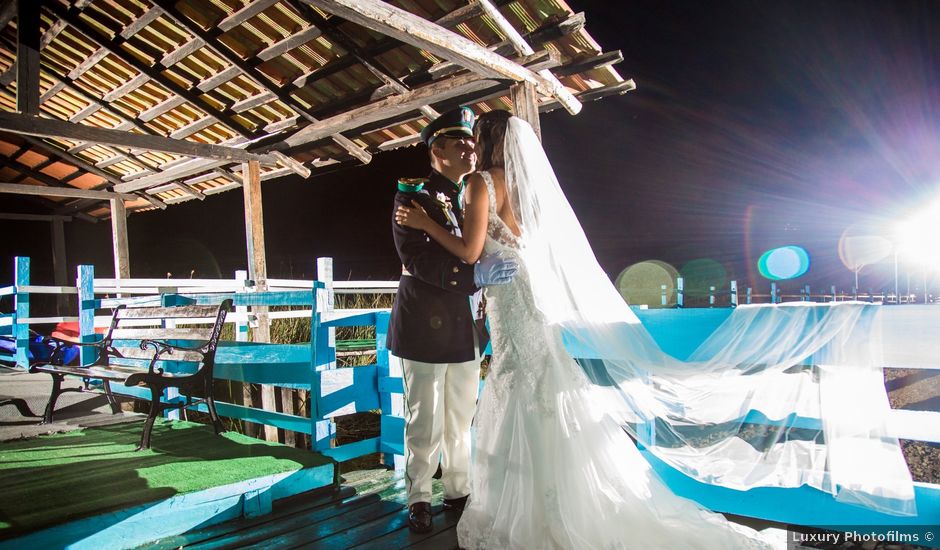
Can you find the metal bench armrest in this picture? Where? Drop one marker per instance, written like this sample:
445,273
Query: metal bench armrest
160,347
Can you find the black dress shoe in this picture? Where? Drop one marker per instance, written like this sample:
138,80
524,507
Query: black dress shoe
456,503
419,517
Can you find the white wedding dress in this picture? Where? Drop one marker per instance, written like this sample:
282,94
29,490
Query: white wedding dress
550,468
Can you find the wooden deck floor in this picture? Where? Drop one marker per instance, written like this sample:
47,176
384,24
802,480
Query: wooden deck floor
367,512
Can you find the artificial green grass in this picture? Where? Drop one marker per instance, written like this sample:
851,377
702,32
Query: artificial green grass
54,479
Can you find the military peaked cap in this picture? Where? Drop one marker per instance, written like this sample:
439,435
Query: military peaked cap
457,123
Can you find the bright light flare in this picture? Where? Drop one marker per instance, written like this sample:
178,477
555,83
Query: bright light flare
919,237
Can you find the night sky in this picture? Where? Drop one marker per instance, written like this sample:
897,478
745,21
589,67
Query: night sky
754,125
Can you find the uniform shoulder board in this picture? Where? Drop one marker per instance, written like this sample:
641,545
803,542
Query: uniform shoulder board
411,185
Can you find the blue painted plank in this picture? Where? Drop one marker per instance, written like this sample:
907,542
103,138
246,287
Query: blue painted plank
363,319
680,331
346,390
285,421
392,430
349,451
178,514
388,385
284,375
260,353
801,506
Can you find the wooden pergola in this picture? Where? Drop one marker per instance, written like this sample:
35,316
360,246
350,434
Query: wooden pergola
109,107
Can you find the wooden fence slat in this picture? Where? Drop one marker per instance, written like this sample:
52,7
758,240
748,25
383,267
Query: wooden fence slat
178,312
197,335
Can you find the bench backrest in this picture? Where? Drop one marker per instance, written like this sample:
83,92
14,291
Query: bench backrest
201,327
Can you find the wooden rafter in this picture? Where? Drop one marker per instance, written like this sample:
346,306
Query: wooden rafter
46,127
27,57
154,72
423,34
337,35
50,191
395,105
35,217
262,81
110,179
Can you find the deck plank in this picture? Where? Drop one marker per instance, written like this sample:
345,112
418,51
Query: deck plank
323,534
283,511
369,512
443,535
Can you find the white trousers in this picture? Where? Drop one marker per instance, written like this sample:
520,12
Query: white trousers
440,400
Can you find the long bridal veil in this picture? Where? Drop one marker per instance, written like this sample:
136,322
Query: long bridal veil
778,396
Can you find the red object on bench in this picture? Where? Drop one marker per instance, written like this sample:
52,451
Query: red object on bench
70,332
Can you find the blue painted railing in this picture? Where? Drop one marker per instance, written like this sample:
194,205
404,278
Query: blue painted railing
338,391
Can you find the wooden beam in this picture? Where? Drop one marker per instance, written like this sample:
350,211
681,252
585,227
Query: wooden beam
525,105
35,217
391,107
71,159
337,35
189,168
27,57
596,62
191,191
461,15
152,200
244,14
523,48
45,127
619,88
569,25
386,45
258,271
122,266
49,191
425,35
387,108
138,24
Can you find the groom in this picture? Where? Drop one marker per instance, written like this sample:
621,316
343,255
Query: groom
432,326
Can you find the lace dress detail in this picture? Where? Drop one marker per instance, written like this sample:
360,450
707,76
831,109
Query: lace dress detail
550,470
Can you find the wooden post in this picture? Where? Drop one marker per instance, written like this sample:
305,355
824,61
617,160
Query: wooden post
391,402
59,265
27,57
258,272
85,281
525,104
21,307
122,266
323,341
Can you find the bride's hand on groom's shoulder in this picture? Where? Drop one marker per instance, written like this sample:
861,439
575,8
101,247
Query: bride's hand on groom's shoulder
415,217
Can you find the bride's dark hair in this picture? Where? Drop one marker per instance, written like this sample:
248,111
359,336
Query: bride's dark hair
489,132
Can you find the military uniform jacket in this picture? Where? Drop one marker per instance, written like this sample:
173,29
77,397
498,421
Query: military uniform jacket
431,318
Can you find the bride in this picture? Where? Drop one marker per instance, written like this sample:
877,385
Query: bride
555,460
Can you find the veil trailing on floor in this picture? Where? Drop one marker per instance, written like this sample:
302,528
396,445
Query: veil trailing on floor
778,396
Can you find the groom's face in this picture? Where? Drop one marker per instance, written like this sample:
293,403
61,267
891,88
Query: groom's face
458,153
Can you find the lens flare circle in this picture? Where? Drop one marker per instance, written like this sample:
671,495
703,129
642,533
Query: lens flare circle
642,282
785,262
701,274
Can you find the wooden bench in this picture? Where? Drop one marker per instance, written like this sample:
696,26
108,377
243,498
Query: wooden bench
154,357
